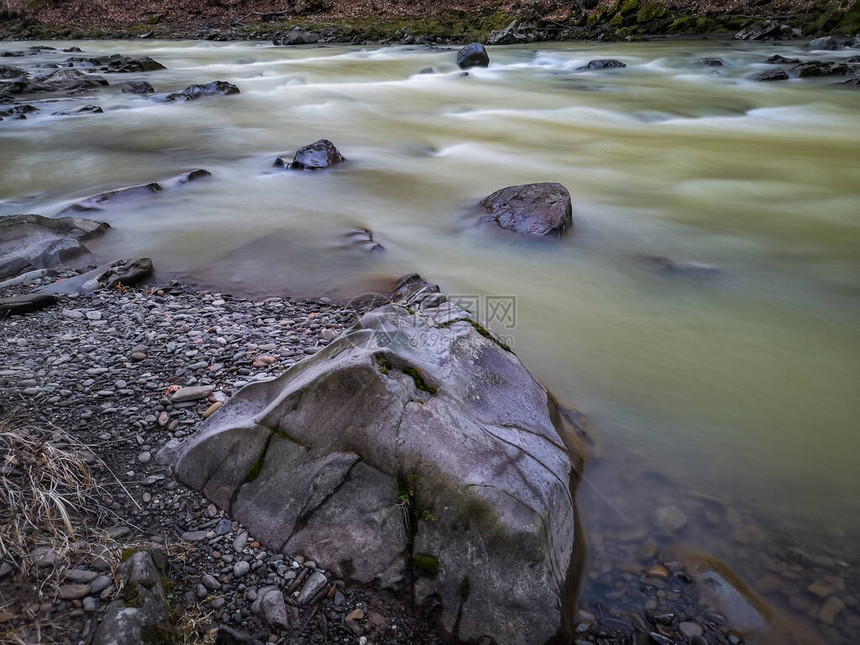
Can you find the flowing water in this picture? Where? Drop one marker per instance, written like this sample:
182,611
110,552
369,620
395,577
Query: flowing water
736,390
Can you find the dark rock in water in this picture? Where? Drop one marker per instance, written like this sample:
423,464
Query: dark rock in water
852,82
440,466
473,55
778,74
827,43
87,109
363,238
73,50
97,202
779,59
297,36
66,80
119,64
760,31
531,209
821,68
17,111
34,241
11,72
193,92
604,63
26,303
126,273
194,175
320,154
229,636
136,87
682,267
427,70
711,62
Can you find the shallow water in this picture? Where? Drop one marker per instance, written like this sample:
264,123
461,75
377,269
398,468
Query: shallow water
741,387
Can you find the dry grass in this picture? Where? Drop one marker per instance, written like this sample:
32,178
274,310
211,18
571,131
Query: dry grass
47,495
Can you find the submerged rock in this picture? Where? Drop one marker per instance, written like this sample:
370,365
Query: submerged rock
429,450
531,209
682,267
314,156
194,92
19,112
473,55
711,62
822,68
779,59
119,64
65,80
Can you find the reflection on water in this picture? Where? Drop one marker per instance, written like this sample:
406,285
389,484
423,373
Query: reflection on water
733,398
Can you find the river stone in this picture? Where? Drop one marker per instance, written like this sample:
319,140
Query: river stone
531,209
275,609
26,303
669,519
759,31
65,80
473,55
316,155
826,43
384,445
140,606
136,87
119,64
194,92
605,63
33,241
777,74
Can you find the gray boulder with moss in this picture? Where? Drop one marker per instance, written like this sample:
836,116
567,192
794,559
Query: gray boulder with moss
415,452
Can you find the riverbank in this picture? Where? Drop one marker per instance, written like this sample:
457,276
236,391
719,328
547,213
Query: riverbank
116,379
446,22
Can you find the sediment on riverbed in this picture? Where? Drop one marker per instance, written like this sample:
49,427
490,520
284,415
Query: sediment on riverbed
448,21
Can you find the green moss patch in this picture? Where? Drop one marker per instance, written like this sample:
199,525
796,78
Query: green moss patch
426,564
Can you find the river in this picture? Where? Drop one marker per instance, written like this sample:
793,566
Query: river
732,394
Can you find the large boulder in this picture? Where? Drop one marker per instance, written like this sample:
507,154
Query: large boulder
65,80
415,452
531,209
34,241
314,156
825,43
473,55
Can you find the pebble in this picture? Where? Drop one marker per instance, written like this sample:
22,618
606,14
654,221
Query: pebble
100,584
690,630
210,582
144,457
832,607
313,585
73,591
193,393
194,536
241,568
669,519
212,409
223,526
240,542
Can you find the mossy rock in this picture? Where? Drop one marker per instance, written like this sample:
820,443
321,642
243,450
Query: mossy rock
826,22
650,11
628,6
426,564
617,20
850,23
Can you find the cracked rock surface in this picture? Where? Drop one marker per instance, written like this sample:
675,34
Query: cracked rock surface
415,452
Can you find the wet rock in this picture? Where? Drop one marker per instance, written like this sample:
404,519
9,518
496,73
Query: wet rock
119,64
604,63
23,304
136,87
711,62
125,273
405,405
363,238
826,586
689,629
17,112
99,201
34,241
473,55
297,36
778,74
669,519
314,156
826,43
140,608
779,59
852,82
194,92
65,80
759,31
821,68
531,209
315,583
87,109
73,591
658,571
